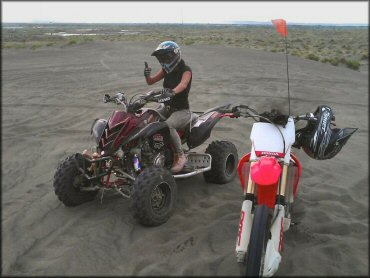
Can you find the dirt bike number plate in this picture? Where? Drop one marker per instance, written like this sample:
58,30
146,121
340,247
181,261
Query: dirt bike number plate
267,140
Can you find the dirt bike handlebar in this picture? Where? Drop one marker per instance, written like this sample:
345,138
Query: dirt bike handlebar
273,116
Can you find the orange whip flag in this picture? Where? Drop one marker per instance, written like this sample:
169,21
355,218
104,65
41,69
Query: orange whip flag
280,25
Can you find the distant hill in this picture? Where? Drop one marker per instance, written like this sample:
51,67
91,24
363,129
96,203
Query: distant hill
265,23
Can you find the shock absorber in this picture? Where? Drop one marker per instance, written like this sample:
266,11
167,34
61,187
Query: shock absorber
136,162
136,155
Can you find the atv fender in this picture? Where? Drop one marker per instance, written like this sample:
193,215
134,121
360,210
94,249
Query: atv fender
202,127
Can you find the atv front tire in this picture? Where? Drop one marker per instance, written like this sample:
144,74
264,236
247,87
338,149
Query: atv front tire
67,183
153,195
224,162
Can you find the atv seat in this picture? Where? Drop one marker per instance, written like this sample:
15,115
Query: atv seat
194,118
162,111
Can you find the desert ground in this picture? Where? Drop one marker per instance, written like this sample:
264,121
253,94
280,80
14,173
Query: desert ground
51,95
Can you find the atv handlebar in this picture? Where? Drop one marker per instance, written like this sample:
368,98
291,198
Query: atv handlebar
137,101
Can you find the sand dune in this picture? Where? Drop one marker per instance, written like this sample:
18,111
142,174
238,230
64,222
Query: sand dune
49,99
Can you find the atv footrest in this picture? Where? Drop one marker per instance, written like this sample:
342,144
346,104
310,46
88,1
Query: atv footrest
93,168
196,163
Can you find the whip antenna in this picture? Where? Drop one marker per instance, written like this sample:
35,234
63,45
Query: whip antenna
182,27
280,25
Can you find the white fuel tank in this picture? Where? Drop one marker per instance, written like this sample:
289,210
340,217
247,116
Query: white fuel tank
267,140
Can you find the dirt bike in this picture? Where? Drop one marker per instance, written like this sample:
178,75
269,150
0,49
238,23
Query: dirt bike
133,155
269,177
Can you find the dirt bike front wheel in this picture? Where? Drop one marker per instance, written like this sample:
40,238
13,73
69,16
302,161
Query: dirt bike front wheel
260,234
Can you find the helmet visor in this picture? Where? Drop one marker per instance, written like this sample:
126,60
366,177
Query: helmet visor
166,58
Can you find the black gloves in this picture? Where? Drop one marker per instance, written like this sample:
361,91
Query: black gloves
147,70
164,95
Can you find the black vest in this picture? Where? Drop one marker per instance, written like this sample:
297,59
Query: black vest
172,79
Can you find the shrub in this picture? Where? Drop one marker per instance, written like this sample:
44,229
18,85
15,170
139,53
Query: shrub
88,39
295,53
325,60
352,64
35,46
189,41
312,56
334,61
365,56
72,41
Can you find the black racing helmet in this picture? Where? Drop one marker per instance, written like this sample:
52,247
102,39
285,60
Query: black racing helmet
168,54
319,140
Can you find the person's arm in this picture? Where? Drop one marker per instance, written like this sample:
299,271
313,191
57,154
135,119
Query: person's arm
155,78
186,77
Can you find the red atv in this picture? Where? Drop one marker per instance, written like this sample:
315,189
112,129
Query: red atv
133,156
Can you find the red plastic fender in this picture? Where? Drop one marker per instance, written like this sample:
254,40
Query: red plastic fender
267,171
266,174
243,171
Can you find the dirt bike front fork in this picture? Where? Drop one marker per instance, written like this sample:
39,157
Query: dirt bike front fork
275,243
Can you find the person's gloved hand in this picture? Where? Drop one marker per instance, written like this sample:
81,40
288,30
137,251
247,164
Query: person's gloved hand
164,94
147,70
235,110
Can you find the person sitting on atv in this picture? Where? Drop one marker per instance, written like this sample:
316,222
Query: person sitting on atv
177,82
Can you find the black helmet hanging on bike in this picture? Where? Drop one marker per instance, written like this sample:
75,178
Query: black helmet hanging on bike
168,54
318,139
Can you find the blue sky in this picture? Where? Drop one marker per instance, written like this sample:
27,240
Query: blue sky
189,12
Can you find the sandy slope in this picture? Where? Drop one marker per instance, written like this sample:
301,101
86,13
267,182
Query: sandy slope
49,99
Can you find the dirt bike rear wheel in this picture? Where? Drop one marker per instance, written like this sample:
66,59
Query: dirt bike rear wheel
224,162
260,234
67,183
154,195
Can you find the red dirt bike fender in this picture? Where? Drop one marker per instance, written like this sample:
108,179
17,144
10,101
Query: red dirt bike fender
243,169
244,165
266,174
266,171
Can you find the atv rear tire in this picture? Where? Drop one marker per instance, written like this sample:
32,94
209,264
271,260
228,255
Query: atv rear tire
67,182
154,194
224,162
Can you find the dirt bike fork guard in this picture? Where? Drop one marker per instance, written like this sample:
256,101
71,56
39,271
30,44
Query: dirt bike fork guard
267,173
245,222
249,186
